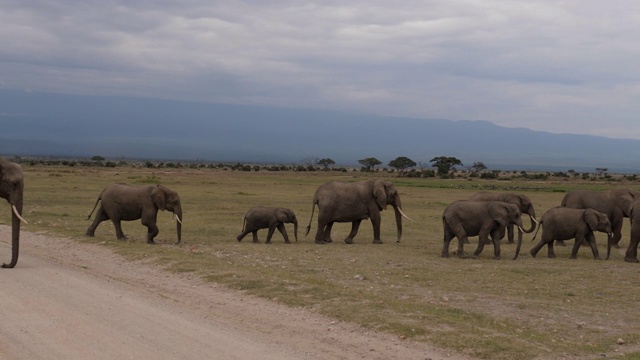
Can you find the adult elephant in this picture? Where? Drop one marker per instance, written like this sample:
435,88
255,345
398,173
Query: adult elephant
465,218
126,202
11,189
521,201
614,203
632,251
340,201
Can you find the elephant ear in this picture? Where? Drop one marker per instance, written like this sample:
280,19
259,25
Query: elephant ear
380,194
159,197
591,218
498,212
623,199
281,215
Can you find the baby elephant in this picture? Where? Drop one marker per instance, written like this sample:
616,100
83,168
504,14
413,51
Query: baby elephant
562,223
262,217
470,218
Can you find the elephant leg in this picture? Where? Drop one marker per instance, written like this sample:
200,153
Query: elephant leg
594,248
510,233
448,236
118,226
255,236
283,231
327,233
152,232
632,251
272,229
617,233
375,221
242,235
482,239
576,246
551,254
100,217
534,250
495,236
354,230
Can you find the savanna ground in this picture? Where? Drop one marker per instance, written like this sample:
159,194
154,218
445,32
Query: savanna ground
493,309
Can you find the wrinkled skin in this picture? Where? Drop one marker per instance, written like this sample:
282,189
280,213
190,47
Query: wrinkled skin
632,251
613,203
339,201
562,223
11,189
122,202
263,217
465,218
521,201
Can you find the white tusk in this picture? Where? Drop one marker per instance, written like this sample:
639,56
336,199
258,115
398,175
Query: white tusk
521,229
177,218
401,213
15,211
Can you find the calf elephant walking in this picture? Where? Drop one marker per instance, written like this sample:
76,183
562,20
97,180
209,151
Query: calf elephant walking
125,202
562,223
262,217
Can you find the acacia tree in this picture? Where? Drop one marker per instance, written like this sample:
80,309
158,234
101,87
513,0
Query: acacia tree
325,163
478,166
369,163
402,163
445,164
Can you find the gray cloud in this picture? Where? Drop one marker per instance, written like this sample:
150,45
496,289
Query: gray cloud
546,65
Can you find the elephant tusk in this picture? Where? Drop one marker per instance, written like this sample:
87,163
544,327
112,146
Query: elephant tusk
403,214
521,229
15,211
177,218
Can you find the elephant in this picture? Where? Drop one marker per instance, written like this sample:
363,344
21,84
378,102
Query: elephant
126,202
561,223
465,218
11,189
614,203
632,251
340,201
262,217
521,201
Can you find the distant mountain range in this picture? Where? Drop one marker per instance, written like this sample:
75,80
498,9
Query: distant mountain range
71,125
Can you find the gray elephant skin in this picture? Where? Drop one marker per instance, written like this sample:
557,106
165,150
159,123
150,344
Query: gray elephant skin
521,201
11,189
339,201
264,217
614,203
123,202
562,223
465,218
631,254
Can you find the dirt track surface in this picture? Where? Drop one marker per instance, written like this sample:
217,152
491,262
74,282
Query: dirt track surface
68,300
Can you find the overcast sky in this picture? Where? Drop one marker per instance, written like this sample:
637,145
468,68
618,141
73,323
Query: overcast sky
558,66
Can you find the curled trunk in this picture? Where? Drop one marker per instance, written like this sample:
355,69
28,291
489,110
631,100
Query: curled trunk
534,222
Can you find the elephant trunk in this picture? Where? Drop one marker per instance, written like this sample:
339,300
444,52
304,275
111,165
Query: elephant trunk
295,229
609,244
534,223
178,215
520,231
16,219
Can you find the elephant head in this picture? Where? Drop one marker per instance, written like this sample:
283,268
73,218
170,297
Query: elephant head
623,198
525,206
287,216
506,214
385,193
166,199
11,189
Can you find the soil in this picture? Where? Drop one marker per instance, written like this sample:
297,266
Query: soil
72,300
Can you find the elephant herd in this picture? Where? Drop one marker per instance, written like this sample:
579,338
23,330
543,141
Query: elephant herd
580,213
485,214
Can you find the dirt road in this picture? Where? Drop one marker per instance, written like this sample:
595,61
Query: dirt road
68,300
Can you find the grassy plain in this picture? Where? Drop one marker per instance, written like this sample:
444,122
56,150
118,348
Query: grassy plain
491,309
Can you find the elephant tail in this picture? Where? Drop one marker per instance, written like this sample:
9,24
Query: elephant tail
94,206
244,221
313,208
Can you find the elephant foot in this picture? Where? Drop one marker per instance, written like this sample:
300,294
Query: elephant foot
631,259
239,238
320,242
151,242
377,241
497,257
287,242
616,245
572,257
551,256
256,242
445,255
90,234
597,258
533,253
348,240
267,242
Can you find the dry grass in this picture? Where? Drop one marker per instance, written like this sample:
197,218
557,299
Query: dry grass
523,309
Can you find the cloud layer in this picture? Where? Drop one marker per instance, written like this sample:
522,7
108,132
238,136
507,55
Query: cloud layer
547,65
